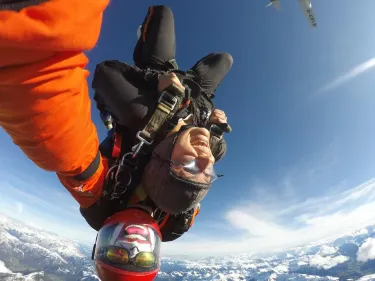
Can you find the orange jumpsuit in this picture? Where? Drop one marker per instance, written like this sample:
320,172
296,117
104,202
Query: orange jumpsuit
44,97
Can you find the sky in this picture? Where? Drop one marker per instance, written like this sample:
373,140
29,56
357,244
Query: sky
300,164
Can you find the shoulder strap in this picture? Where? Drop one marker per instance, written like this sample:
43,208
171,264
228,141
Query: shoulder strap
168,103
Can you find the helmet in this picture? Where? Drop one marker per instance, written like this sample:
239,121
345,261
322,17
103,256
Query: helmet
128,247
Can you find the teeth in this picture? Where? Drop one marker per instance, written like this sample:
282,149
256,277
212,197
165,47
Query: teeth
200,146
200,143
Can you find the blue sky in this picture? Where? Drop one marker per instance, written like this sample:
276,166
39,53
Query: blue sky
300,162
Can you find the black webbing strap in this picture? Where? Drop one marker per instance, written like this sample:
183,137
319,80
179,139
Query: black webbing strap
90,170
17,5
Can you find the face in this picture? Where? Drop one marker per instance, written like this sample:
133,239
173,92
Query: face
193,144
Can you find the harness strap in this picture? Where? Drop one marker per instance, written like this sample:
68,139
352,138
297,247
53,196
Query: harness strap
116,149
169,101
164,221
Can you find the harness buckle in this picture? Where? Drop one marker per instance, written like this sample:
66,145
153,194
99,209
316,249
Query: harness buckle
142,139
168,100
138,146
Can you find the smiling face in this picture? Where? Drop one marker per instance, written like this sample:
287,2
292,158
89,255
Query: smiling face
183,163
194,144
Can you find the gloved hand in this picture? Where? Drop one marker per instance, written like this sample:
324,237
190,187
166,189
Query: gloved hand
165,80
219,118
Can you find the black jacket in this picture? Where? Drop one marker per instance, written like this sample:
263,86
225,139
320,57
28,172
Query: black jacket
130,95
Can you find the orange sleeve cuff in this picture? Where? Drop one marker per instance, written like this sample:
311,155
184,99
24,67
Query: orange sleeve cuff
88,192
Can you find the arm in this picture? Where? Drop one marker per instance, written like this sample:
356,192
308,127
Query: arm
138,78
127,92
45,105
150,80
219,149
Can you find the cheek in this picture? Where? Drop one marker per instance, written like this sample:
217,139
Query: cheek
178,152
182,155
181,144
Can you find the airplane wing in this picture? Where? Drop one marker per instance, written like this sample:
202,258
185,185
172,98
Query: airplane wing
307,10
274,3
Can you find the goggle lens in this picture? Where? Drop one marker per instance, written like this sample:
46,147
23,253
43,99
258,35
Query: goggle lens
118,255
193,169
121,256
145,259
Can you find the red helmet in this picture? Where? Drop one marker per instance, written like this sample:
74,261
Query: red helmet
128,247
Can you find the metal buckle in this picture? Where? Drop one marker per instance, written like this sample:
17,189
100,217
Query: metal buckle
169,102
142,140
119,187
138,146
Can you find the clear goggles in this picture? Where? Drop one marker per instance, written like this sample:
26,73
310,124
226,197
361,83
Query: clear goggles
193,172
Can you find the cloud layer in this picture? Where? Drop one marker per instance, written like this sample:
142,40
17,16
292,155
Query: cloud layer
279,227
367,250
326,262
307,202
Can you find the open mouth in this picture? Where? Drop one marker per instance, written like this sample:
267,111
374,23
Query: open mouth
200,141
136,233
201,145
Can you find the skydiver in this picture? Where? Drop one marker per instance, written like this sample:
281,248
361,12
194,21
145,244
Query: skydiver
118,84
130,92
45,108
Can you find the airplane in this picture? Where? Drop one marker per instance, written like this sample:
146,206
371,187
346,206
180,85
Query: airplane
306,7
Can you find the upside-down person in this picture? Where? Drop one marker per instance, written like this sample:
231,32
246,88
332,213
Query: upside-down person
45,108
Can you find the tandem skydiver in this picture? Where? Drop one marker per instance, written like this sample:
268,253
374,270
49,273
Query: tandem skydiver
45,108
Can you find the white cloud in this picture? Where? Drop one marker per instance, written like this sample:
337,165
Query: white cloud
348,76
270,220
254,225
367,250
264,233
335,201
3,268
326,262
363,231
370,277
281,268
326,250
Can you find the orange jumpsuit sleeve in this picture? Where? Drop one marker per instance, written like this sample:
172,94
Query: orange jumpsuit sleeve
44,98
